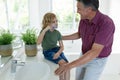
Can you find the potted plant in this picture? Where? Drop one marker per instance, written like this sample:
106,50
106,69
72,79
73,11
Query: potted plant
30,40
6,39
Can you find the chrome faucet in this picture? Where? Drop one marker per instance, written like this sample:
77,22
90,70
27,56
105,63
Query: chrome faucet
14,65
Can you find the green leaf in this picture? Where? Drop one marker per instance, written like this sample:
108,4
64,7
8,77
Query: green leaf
29,37
6,37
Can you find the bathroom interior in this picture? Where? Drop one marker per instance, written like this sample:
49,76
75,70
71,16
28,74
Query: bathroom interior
19,15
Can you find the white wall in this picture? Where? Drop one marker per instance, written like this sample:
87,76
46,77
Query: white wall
44,6
34,13
104,6
37,8
113,65
115,15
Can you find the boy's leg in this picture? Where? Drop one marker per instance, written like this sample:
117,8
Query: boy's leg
66,75
61,60
61,63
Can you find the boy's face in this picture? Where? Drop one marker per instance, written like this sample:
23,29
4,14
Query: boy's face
54,23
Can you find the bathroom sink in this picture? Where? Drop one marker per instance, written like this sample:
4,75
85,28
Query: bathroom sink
33,71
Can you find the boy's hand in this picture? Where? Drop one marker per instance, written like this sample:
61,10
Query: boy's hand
47,28
56,56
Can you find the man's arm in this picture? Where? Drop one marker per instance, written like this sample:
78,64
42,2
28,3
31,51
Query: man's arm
71,37
88,56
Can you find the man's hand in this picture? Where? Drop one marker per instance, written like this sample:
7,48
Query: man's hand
62,69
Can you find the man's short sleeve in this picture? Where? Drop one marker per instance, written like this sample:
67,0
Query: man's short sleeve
105,33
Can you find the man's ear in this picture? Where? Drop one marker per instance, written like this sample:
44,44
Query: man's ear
89,9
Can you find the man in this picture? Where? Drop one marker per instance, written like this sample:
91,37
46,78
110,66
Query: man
96,31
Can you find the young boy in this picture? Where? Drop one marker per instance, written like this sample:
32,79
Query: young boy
49,37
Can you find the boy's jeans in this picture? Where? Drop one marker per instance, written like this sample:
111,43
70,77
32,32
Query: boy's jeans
92,70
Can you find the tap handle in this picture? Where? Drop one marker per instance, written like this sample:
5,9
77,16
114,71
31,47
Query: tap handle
14,61
13,65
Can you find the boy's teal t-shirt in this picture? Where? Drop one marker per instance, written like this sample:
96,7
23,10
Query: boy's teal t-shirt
50,39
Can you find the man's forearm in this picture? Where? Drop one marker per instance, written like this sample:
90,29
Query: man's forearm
71,37
88,56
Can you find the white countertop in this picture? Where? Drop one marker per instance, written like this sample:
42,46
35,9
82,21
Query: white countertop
38,58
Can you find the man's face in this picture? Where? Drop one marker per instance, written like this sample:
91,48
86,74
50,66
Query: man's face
82,10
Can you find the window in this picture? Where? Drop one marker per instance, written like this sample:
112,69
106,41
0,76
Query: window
66,14
14,15
3,13
68,20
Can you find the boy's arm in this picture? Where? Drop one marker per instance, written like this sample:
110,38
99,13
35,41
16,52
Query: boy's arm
41,35
60,50
61,47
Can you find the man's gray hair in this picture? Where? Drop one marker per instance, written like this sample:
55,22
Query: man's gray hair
94,4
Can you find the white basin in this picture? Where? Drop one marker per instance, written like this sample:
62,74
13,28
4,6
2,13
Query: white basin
33,71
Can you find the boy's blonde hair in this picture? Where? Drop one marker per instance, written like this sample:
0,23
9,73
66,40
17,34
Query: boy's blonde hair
47,19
